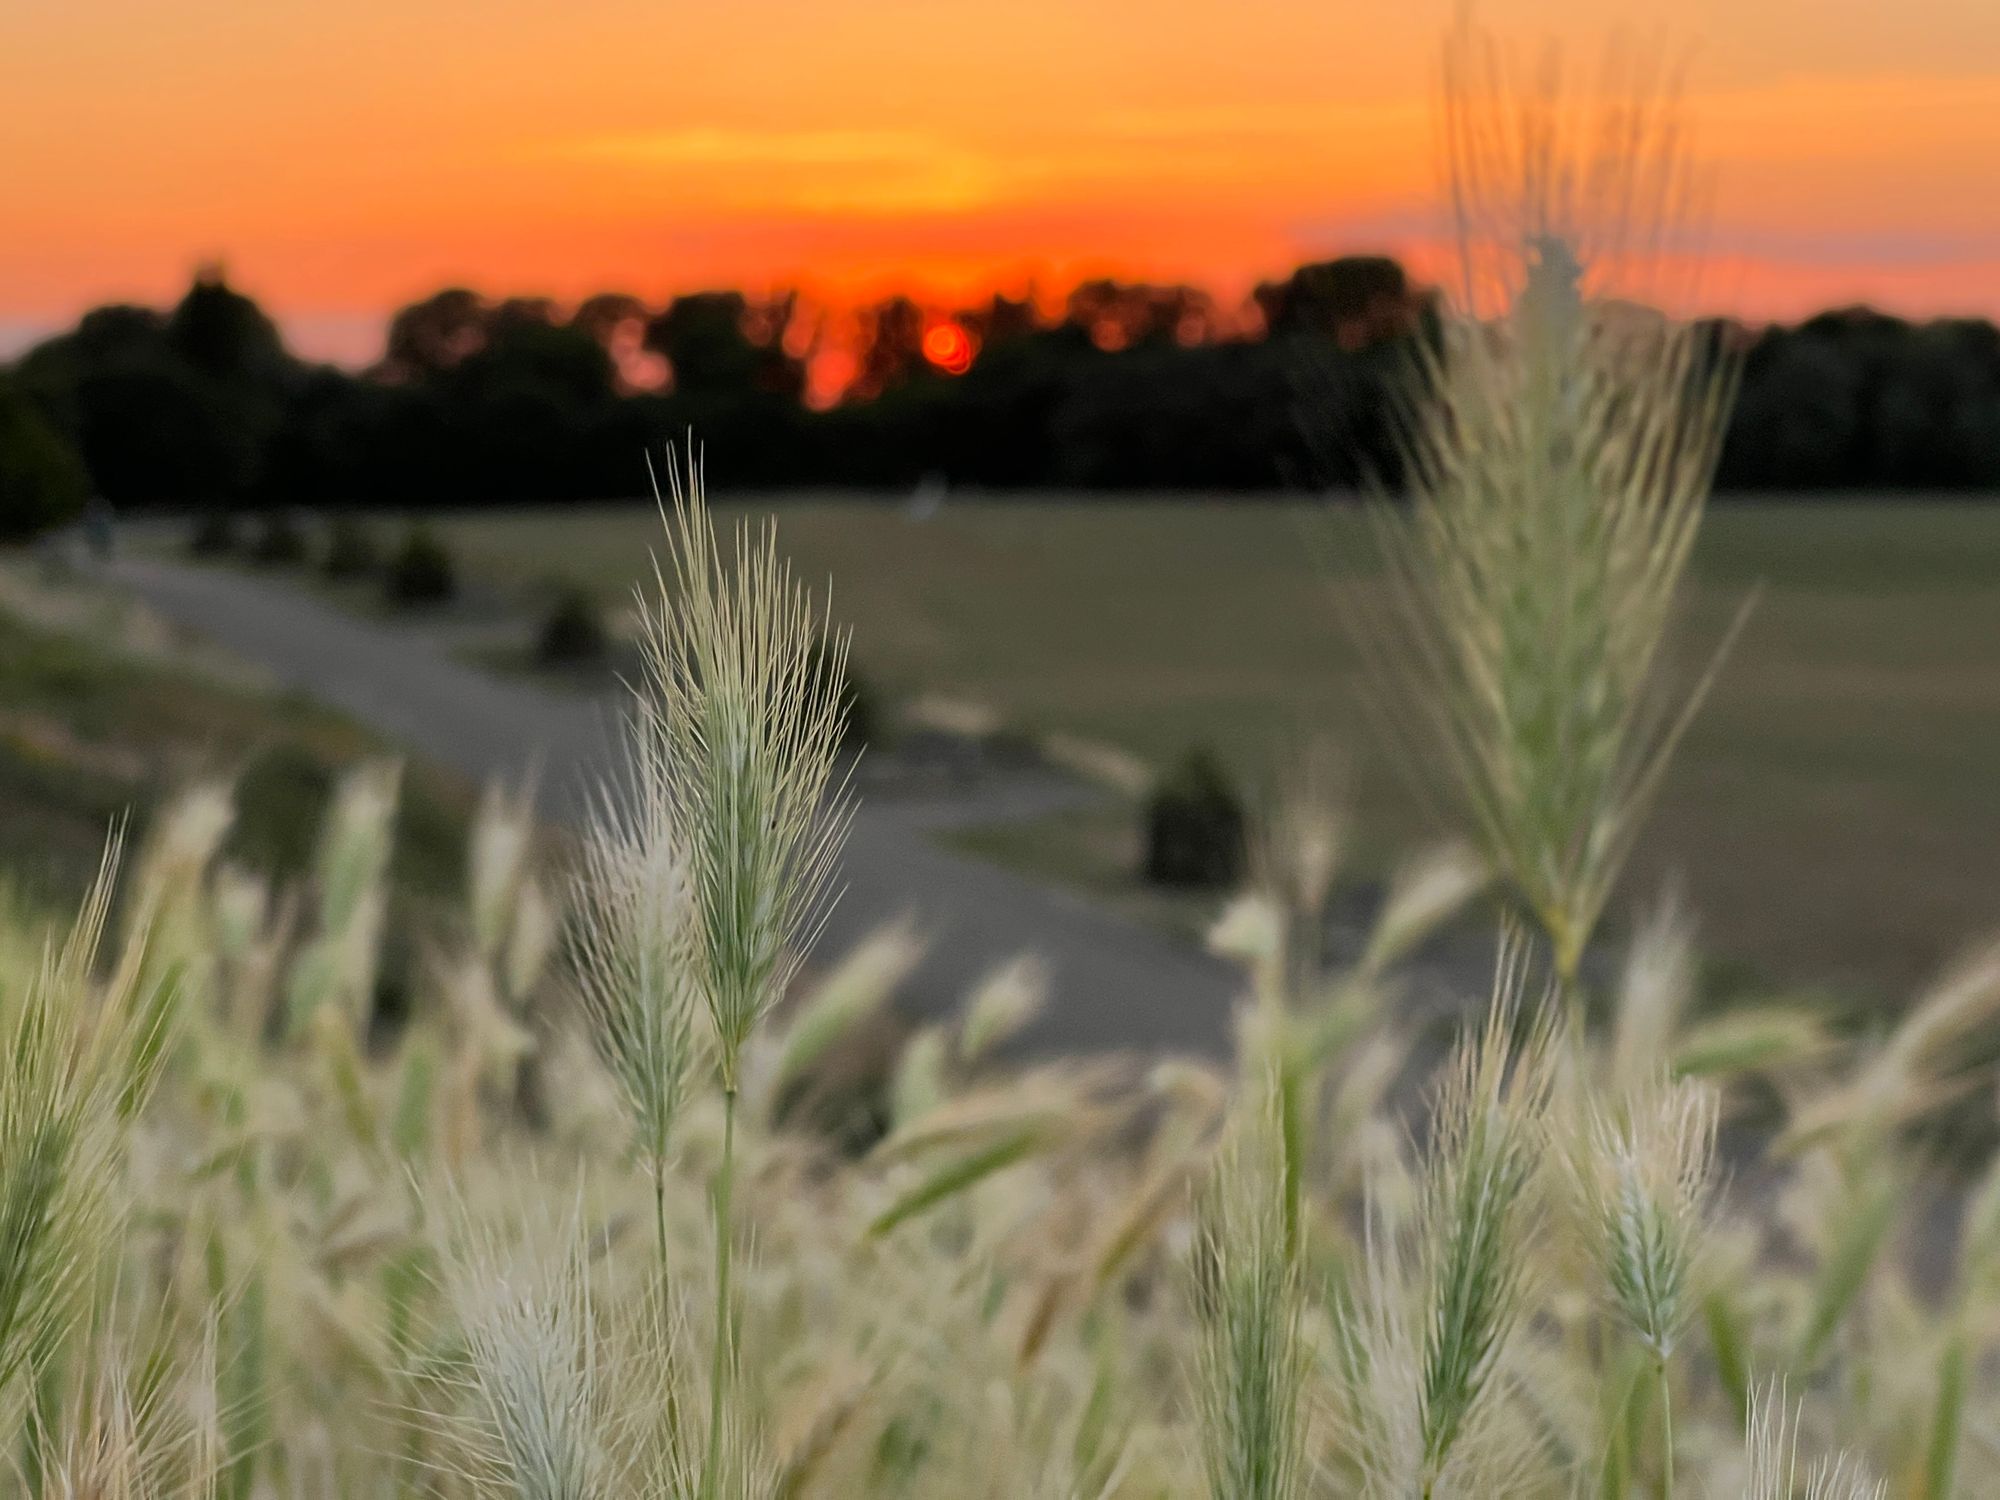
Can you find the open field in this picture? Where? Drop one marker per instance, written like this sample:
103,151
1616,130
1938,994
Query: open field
1834,816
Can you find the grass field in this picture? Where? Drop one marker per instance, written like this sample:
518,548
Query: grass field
1835,815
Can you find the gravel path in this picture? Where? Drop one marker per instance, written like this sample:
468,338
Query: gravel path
1113,984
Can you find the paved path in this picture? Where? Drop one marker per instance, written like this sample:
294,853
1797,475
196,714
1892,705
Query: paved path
1113,984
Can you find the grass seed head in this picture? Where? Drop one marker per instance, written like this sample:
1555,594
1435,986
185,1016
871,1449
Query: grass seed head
1777,1472
741,693
633,948
1640,1181
1558,457
1251,1350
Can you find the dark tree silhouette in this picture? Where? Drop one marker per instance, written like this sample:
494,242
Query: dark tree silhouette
892,346
1132,385
224,335
1125,315
43,482
1356,301
602,315
718,345
436,334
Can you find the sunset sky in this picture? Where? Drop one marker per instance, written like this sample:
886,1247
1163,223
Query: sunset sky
343,158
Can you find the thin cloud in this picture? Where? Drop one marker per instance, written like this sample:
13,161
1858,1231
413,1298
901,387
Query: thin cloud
724,146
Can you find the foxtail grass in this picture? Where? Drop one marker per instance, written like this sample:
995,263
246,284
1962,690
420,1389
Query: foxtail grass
739,716
1778,1472
1557,458
1475,1218
1424,1331
136,1425
1249,1301
339,966
744,704
76,1058
1640,1180
564,1382
634,961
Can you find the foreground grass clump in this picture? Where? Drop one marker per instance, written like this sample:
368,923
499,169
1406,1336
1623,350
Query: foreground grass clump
373,1260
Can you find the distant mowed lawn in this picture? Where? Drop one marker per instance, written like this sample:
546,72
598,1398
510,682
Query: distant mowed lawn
1835,812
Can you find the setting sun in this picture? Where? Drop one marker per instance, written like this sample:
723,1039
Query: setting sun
948,346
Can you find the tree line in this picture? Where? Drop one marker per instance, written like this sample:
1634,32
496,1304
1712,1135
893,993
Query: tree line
1127,386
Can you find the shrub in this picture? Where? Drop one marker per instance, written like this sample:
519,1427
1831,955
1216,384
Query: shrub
350,550
859,718
42,481
278,542
572,632
1194,826
214,535
421,572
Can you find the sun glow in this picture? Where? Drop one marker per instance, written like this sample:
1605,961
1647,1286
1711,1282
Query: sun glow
949,346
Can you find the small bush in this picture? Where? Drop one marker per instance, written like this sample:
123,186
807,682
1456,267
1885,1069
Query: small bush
860,720
278,543
1194,826
421,572
214,535
350,550
572,632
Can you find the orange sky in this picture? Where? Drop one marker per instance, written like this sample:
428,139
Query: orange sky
342,158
